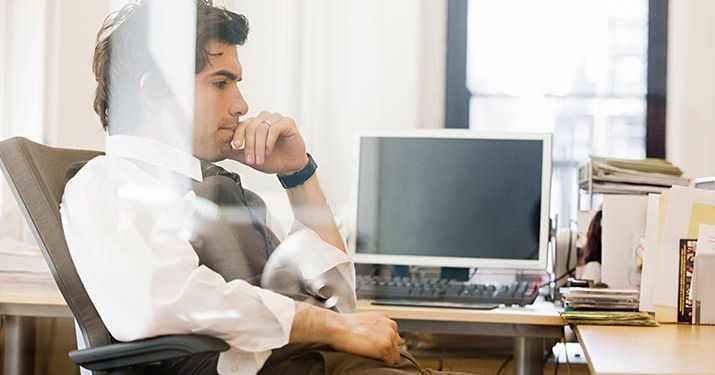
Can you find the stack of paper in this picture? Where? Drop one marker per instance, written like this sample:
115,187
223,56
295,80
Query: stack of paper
21,263
625,176
600,298
614,318
680,224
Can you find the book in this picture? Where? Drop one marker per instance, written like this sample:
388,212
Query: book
685,277
600,298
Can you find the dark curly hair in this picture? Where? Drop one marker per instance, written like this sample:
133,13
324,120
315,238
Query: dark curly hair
592,251
122,50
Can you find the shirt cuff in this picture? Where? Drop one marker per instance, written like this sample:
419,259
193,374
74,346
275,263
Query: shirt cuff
318,263
323,255
283,310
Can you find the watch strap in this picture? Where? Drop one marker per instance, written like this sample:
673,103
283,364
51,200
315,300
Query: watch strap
298,178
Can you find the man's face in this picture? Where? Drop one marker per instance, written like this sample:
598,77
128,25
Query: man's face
218,103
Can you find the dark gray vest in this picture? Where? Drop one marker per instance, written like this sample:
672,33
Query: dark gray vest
237,242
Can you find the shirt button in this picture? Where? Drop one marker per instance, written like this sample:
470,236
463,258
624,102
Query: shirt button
253,345
234,369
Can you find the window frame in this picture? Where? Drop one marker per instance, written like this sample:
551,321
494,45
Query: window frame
457,95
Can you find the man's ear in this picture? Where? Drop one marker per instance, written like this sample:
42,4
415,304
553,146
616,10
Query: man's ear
152,88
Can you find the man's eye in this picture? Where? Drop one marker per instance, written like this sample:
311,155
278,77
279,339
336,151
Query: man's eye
220,84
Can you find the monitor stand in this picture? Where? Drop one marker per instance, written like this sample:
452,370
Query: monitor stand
450,273
454,273
460,274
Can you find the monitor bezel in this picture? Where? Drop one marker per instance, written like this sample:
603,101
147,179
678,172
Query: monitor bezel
435,261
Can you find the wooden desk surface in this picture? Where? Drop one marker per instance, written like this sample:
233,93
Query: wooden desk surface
34,300
47,301
668,349
541,313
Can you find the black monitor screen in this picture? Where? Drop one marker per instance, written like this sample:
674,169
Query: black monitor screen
449,197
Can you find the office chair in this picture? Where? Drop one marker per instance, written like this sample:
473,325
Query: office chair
37,176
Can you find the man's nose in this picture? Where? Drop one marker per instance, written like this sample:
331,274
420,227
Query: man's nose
239,107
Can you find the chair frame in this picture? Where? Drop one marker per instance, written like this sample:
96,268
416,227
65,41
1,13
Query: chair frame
104,354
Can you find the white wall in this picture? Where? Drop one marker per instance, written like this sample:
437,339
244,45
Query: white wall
691,86
72,26
23,74
46,81
46,71
339,67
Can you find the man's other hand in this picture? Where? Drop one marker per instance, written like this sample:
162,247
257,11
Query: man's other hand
270,143
371,335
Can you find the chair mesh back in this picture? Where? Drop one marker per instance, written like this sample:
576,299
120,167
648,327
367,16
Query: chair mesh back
36,175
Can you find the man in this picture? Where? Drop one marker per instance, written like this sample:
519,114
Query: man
130,219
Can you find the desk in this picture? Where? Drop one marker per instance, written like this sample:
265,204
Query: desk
529,325
668,349
21,300
20,305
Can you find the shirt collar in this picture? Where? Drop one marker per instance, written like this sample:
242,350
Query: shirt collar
154,152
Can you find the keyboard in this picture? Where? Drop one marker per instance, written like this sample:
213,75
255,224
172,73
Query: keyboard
437,304
443,290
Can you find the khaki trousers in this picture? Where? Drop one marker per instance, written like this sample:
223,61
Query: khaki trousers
308,359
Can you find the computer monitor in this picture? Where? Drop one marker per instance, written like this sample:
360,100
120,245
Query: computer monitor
452,198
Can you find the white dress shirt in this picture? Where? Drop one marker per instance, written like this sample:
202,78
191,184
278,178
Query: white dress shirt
127,217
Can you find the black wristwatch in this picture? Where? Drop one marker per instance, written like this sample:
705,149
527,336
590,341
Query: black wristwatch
298,178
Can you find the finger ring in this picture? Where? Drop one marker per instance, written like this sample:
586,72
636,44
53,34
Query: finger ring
267,122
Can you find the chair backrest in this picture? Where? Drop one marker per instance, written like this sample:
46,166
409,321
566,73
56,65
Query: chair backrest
37,176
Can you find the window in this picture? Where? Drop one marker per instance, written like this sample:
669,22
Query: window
576,68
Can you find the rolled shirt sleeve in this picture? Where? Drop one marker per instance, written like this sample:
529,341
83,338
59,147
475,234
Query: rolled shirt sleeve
317,261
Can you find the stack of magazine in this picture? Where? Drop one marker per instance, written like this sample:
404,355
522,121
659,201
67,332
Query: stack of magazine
629,176
610,318
600,299
22,263
602,306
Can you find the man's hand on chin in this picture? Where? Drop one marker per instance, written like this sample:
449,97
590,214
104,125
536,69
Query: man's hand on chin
270,143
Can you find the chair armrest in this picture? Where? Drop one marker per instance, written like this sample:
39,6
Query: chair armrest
146,351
